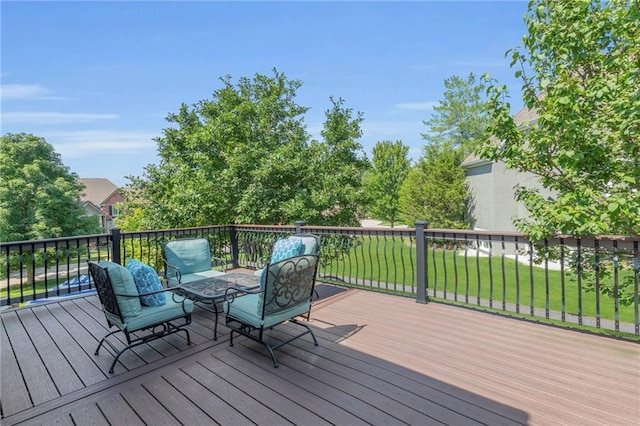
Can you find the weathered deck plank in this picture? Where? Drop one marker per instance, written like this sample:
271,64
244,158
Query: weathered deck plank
382,360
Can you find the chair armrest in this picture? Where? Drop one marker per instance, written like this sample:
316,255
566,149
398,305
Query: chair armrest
174,295
150,293
239,291
172,271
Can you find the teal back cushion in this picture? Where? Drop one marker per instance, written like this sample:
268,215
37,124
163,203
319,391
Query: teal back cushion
123,284
189,255
146,280
309,244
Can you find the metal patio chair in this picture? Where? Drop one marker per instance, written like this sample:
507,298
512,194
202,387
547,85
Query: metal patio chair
138,322
286,292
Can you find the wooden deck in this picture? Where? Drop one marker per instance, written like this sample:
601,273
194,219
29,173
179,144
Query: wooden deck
382,360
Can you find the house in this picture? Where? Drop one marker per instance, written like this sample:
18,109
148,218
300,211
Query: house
492,187
100,198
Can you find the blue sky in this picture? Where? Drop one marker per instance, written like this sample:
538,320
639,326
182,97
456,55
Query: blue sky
97,79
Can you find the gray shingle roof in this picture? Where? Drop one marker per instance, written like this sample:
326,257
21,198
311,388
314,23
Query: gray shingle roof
97,190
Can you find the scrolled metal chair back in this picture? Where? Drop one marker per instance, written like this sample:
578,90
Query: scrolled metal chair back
289,283
104,289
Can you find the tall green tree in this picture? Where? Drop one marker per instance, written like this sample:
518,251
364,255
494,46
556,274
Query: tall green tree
460,119
39,196
236,158
580,69
244,156
436,188
339,162
391,165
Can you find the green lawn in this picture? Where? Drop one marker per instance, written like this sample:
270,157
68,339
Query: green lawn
375,261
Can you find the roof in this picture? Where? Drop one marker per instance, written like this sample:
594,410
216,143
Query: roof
97,190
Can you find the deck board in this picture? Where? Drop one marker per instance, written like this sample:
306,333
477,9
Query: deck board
38,382
382,360
82,363
50,353
14,394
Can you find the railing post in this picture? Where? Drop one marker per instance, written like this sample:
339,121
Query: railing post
299,225
115,245
421,296
235,251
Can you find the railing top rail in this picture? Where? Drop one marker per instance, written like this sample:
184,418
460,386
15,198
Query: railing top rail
265,227
176,231
51,241
474,232
359,229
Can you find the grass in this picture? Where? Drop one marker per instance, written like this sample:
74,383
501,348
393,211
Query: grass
473,277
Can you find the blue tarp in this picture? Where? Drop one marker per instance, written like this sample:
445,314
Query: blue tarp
77,286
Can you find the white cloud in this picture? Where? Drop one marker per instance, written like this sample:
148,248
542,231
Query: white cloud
417,106
89,143
24,91
40,118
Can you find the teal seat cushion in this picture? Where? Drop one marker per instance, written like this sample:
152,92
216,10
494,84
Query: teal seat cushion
147,281
123,285
247,310
173,308
188,255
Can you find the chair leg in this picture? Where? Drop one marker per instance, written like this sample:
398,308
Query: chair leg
166,330
273,356
115,360
104,340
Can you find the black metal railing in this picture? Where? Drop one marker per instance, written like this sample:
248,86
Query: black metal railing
585,281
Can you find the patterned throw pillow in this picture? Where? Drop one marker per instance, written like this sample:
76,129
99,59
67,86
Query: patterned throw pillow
146,280
285,248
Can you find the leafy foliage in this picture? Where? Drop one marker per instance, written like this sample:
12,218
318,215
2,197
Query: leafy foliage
39,196
584,62
339,164
583,83
383,182
244,156
460,119
436,188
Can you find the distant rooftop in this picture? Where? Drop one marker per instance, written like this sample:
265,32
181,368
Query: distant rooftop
97,190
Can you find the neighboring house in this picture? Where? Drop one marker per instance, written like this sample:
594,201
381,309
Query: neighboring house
99,198
492,186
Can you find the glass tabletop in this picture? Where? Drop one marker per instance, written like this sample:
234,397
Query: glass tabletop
216,287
